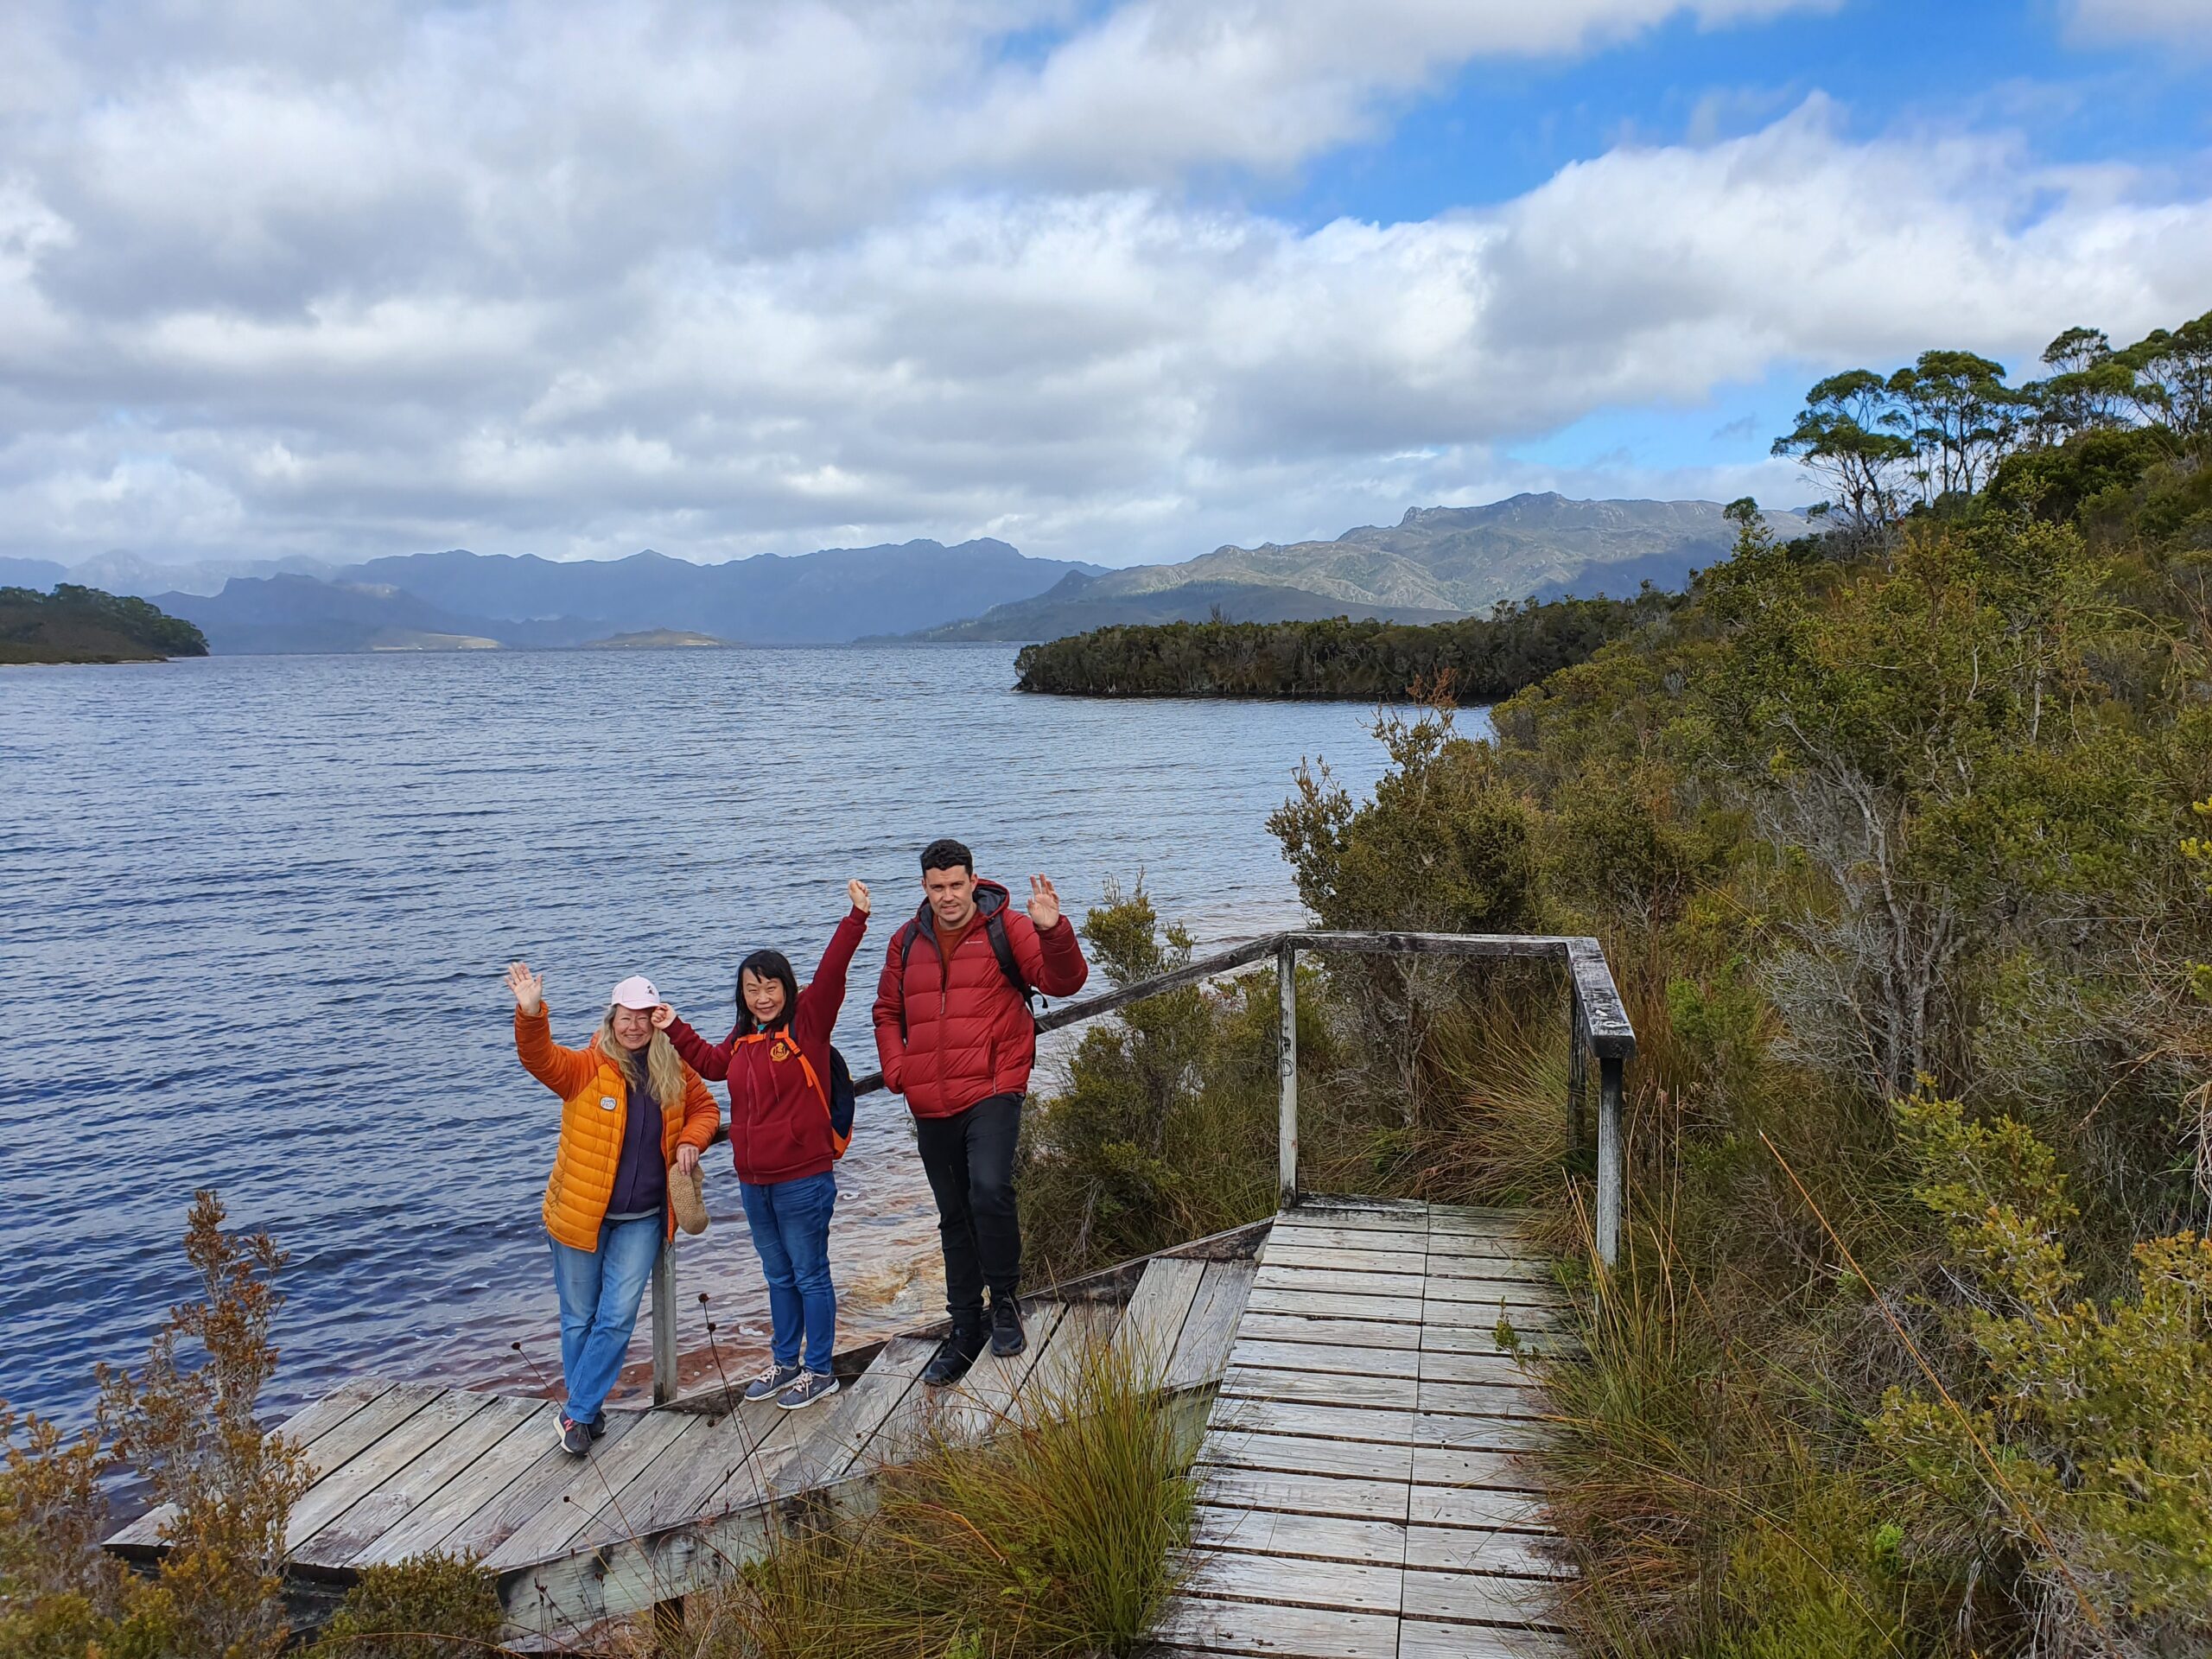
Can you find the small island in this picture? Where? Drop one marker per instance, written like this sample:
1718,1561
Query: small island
1475,659
83,625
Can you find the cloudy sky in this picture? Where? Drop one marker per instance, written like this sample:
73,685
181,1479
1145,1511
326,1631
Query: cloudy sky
1113,281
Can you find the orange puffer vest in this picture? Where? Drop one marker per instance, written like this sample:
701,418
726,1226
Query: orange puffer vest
594,1112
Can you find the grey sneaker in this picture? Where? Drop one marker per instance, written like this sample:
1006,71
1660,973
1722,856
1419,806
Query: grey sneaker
810,1387
773,1381
576,1437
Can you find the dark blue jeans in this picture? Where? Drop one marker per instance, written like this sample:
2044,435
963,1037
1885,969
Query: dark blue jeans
790,1221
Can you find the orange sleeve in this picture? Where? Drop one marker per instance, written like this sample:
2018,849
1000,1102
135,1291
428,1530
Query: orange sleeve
702,1117
564,1070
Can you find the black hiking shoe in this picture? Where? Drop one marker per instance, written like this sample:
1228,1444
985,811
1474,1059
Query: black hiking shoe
1007,1338
954,1356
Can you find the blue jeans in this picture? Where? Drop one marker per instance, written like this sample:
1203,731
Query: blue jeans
791,1229
599,1291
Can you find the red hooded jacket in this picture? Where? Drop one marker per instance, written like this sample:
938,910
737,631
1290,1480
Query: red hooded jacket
967,1034
778,1125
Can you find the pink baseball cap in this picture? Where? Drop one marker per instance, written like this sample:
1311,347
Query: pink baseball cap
635,992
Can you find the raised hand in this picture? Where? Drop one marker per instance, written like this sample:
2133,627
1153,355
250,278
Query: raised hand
528,988
857,892
663,1016
1044,903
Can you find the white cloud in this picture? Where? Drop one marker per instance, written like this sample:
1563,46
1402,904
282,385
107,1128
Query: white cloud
2185,24
524,277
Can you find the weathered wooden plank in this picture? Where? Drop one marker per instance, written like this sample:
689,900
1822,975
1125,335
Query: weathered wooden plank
1482,1550
1421,1638
1331,1357
1247,1627
1232,1448
1476,1331
1496,1369
1084,1333
1209,1329
400,1494
470,1493
1325,1537
310,1425
1484,1467
1482,1400
1306,1494
1485,1294
369,1445
1472,1506
1265,1298
1154,1319
595,1490
1306,1327
857,1414
980,1404
1480,1434
1340,1282
1344,1586
1332,1421
1482,1596
720,1463
1257,1382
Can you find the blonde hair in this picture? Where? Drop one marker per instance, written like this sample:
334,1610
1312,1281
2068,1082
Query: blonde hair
664,1066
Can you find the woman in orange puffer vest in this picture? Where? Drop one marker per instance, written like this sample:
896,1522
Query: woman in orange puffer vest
629,1108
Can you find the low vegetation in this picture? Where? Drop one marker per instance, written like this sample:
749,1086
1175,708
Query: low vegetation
1054,1540
1899,839
1477,659
83,625
184,1427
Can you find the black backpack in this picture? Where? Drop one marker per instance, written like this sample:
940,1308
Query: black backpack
842,1100
1002,947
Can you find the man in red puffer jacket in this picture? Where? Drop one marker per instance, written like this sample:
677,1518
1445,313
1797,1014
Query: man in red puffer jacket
956,1038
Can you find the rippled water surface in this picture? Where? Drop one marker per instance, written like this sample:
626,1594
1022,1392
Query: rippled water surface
257,911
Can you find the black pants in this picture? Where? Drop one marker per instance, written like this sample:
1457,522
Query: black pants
969,1158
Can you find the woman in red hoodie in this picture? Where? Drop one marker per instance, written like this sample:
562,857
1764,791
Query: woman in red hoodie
777,1062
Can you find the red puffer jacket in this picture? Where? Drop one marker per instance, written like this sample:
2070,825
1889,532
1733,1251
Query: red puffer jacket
778,1124
967,1034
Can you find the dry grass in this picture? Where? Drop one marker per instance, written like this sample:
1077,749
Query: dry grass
1057,1538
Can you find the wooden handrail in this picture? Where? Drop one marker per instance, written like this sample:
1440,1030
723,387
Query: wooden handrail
1601,1028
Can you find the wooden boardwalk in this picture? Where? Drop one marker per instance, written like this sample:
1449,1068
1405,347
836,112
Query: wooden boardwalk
673,1497
1363,1495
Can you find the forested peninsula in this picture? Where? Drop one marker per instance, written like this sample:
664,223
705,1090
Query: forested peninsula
1477,659
83,625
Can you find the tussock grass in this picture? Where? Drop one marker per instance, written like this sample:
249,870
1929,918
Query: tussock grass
1056,1537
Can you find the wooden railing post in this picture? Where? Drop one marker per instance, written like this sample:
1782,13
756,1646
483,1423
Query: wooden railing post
1287,1069
1610,1184
664,1317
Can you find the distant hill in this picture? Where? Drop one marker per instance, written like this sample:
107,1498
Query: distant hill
261,615
461,600
1077,606
829,597
1435,563
75,623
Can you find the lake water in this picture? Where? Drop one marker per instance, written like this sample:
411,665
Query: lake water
257,911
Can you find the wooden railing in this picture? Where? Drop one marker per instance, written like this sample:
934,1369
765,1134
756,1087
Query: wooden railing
1600,1030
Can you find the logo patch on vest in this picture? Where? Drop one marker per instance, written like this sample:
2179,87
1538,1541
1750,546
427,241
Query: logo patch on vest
607,1102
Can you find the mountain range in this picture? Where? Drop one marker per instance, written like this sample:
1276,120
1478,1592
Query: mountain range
1436,563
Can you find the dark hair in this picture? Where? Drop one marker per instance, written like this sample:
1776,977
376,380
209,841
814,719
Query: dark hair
946,854
765,964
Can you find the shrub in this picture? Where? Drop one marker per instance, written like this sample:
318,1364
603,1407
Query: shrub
1055,1539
